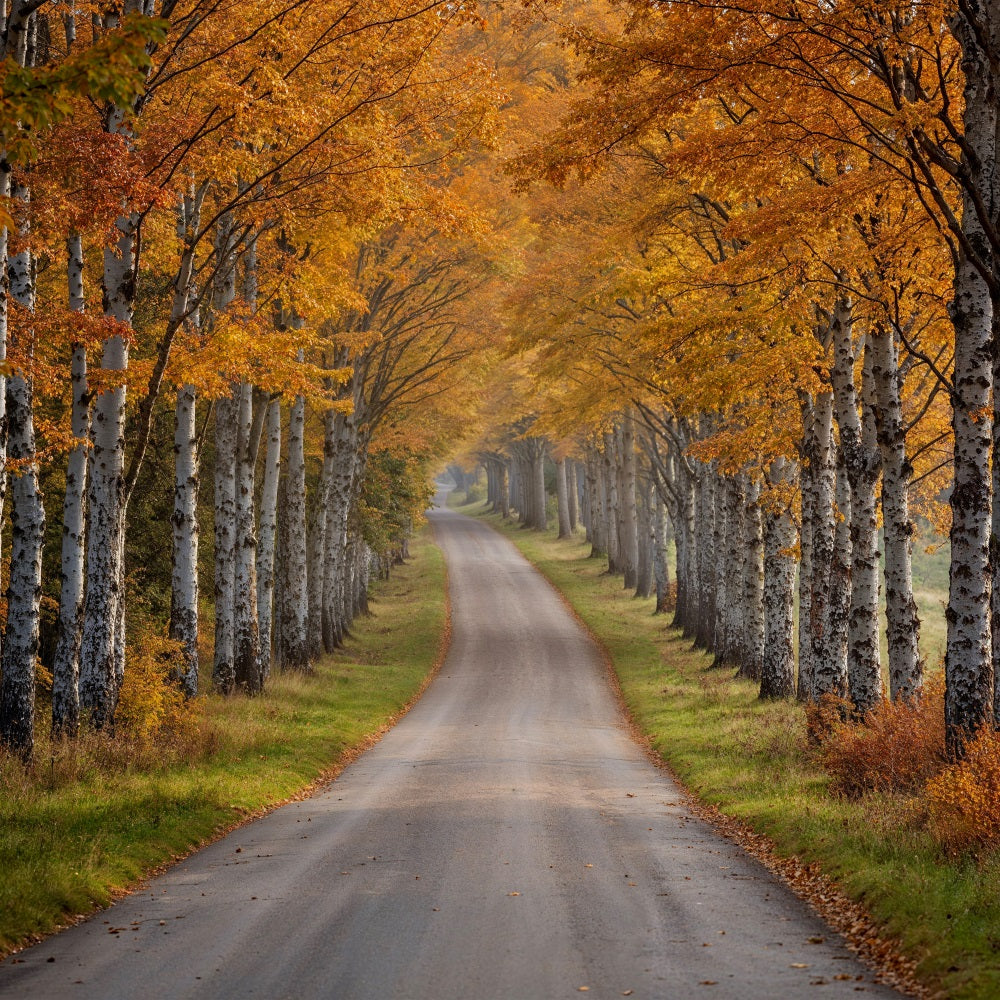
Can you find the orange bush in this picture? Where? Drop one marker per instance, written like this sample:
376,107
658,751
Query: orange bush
963,800
896,748
151,702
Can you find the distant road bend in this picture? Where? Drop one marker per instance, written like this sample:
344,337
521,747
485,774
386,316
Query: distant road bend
507,839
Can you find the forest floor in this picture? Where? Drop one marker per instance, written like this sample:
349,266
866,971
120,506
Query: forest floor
937,919
90,819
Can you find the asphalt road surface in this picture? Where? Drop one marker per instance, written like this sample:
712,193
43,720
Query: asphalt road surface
506,840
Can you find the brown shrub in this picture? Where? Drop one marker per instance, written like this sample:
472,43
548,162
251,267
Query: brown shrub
963,800
896,748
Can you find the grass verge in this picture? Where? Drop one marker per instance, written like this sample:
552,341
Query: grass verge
91,819
749,759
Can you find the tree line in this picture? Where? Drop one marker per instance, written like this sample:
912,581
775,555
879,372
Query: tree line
233,265
766,234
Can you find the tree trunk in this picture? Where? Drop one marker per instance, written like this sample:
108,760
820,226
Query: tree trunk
541,521
267,537
862,461
830,564
66,661
572,496
903,624
20,641
609,468
752,663
646,539
629,519
184,589
226,439
99,650
246,638
294,607
317,555
778,669
731,652
705,529
807,567
968,659
661,567
562,499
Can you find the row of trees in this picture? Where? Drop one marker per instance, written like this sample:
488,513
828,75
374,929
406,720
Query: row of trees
260,199
771,242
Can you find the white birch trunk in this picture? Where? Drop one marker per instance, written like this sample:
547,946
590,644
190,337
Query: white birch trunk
646,536
731,652
778,669
829,561
752,663
807,493
562,499
705,549
968,659
661,566
629,518
184,580
66,661
100,650
317,555
267,537
720,532
611,504
20,641
572,496
862,461
223,666
903,624
294,650
541,519
246,640
838,607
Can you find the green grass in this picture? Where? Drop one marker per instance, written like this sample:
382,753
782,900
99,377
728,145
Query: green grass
89,821
750,760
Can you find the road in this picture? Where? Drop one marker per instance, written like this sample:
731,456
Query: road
507,839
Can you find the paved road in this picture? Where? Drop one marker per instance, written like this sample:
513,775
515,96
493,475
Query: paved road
506,840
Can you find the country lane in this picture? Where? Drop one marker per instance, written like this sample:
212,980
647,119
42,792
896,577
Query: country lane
507,839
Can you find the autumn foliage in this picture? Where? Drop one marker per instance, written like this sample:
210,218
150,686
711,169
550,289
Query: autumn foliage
895,748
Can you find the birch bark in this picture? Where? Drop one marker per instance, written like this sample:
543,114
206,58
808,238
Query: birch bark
20,641
267,536
862,461
184,588
778,668
294,648
807,569
66,661
752,662
572,495
562,499
705,529
246,639
903,624
629,519
968,658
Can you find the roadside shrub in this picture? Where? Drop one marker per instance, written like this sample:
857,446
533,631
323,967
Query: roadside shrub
896,748
963,800
151,702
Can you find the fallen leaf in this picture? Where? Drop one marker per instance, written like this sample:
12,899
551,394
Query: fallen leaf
798,965
513,894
